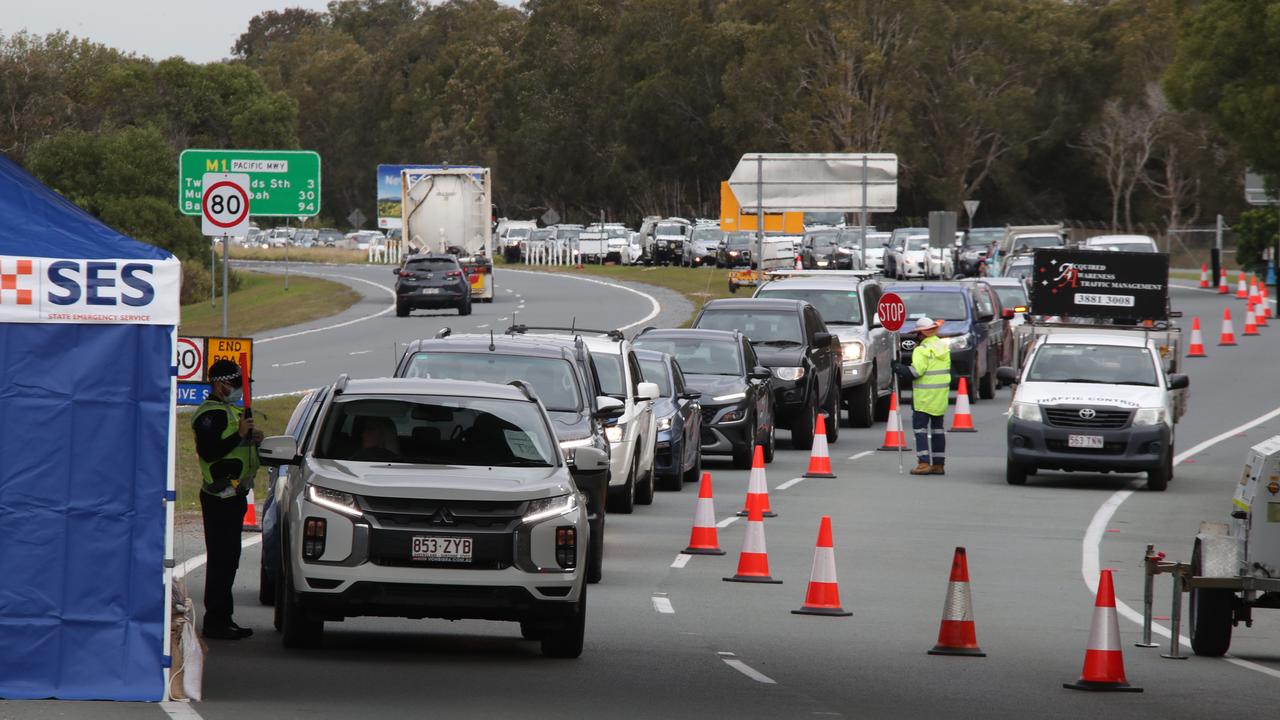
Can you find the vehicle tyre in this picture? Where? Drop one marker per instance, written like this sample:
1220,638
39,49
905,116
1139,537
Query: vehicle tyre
565,639
1158,478
1015,473
530,630
770,445
833,416
694,473
675,481
862,404
987,385
465,307
623,500
299,630
802,426
266,588
1211,615
645,488
973,384
402,310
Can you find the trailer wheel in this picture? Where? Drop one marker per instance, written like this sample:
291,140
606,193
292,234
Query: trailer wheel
1211,615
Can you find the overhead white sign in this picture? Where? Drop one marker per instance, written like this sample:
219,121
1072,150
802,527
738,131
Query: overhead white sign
224,205
55,290
820,182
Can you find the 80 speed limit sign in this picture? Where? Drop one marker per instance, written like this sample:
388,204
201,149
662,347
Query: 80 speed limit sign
224,205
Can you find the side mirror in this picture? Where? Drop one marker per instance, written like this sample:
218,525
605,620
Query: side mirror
987,317
1007,375
823,339
648,391
1007,313
1179,381
279,450
608,408
760,373
589,459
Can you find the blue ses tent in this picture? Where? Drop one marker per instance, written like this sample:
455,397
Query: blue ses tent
87,330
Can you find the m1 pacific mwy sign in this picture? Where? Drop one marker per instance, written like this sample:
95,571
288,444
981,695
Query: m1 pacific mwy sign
282,183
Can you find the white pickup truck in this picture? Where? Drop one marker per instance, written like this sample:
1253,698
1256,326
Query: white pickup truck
1098,399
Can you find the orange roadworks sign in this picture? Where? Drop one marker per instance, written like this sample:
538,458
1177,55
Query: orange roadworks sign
237,350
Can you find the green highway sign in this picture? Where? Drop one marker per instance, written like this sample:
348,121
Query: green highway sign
282,183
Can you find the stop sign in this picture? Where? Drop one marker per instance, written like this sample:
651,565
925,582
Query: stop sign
892,312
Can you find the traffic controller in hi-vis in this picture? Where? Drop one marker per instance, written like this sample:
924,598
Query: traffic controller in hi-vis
195,355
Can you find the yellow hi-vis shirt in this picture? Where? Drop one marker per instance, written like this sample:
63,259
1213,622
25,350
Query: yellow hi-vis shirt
931,366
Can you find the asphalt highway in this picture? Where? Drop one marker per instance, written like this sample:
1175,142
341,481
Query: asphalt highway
666,637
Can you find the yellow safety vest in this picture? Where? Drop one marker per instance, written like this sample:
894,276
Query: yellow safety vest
247,454
931,364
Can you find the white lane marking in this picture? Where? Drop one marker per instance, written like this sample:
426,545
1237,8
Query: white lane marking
727,521
181,570
862,454
483,326
789,483
681,560
290,364
501,319
1091,545
294,393
360,352
335,326
179,710
653,302
745,669
663,605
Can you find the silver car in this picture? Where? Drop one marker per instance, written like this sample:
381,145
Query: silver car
431,499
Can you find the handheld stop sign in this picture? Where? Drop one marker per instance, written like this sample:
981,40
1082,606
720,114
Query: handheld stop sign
892,311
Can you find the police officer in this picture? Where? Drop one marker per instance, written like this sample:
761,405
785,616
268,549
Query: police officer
226,443
930,376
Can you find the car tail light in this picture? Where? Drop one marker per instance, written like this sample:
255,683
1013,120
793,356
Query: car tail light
453,274
313,534
406,274
567,547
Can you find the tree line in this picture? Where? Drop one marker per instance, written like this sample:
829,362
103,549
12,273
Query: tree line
1125,111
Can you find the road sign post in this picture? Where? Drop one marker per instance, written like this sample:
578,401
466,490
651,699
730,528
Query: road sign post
893,313
282,183
970,209
224,212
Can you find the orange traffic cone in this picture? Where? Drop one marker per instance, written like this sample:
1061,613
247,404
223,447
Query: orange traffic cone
1196,347
1242,288
799,263
1266,301
893,438
704,539
957,636
823,595
819,457
1254,297
1259,317
1228,332
963,420
1103,660
1250,322
753,563
757,487
1204,275
251,515
1223,289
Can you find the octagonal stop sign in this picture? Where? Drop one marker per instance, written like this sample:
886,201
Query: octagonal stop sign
892,312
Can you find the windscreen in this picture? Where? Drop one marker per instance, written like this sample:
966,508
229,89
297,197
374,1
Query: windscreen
934,305
655,371
518,233
698,356
851,239
1130,246
1030,242
837,307
613,381
707,234
824,242
552,379
1093,364
917,243
670,229
1020,269
431,265
776,328
436,430
617,232
741,240
1012,296
983,236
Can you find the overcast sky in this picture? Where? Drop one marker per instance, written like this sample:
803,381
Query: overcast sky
198,30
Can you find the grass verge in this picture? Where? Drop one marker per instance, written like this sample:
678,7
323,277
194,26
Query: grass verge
262,303
270,416
316,255
698,285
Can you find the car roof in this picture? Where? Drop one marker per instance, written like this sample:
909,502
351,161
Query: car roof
696,333
1074,338
503,344
422,386
754,304
642,354
1104,239
816,283
926,287
994,281
430,256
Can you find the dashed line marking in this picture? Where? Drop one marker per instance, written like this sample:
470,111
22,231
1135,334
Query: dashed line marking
727,521
483,326
663,605
360,352
789,483
862,454
289,364
681,560
179,710
733,662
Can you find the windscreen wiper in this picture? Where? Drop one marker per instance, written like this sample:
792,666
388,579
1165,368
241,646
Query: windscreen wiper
777,342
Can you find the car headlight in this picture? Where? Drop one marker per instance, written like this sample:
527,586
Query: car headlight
732,253
1149,416
1027,411
957,342
665,423
788,373
336,500
853,350
567,447
550,507
844,251
614,433
730,397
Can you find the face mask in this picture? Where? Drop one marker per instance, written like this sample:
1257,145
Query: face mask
235,396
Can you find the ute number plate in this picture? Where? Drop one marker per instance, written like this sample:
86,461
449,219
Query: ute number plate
1085,441
432,548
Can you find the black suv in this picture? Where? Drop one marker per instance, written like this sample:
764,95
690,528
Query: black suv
973,330
737,402
563,378
431,282
790,339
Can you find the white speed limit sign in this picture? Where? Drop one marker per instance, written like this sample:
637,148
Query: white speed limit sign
224,205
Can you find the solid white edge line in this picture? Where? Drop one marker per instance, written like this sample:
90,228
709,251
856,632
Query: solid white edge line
181,570
663,605
747,670
727,521
180,710
681,560
653,302
1091,545
789,483
335,326
861,455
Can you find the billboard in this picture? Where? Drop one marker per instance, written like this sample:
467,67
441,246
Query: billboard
389,192
1102,284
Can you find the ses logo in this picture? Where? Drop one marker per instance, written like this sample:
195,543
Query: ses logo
86,291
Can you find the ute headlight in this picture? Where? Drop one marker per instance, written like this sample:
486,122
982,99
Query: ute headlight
853,350
730,397
614,433
1149,416
567,447
788,373
546,508
664,423
957,342
336,500
1027,411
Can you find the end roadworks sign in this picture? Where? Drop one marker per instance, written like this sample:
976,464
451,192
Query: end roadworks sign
282,183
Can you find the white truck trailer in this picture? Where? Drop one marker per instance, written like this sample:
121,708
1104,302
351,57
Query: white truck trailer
447,210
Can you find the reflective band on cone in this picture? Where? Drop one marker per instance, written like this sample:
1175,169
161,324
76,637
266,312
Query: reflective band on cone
1242,288
823,595
1196,347
753,563
1254,296
1228,332
957,635
251,514
757,487
704,540
1103,660
1204,275
963,419
893,438
819,457
1223,288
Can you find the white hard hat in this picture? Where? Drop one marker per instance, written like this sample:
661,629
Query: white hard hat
926,323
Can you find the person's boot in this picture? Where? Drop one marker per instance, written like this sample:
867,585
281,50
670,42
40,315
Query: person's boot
923,468
938,469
